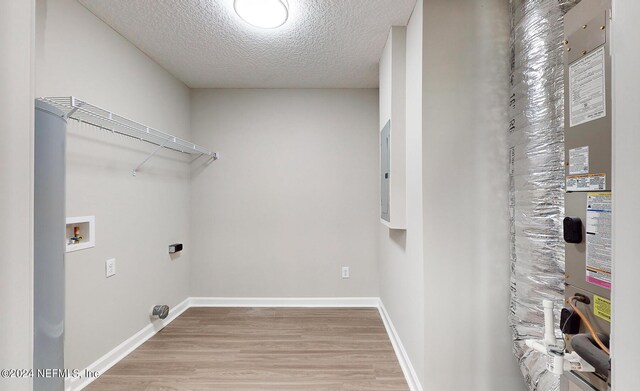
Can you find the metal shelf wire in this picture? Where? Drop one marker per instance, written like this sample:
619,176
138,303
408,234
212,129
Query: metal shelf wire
82,111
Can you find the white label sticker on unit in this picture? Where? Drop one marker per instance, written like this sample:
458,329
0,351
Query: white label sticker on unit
579,160
587,91
598,238
586,182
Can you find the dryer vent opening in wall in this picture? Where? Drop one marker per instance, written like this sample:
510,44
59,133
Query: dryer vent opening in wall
161,311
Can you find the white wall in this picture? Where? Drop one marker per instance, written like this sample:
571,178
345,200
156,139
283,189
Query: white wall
444,281
400,251
293,197
136,218
16,189
626,185
465,183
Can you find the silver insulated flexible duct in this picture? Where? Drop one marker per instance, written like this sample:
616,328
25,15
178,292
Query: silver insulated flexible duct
536,142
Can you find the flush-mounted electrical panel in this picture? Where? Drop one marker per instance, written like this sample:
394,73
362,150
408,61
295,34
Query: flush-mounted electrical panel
587,225
392,130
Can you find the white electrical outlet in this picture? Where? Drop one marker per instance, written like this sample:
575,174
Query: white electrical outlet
345,272
110,267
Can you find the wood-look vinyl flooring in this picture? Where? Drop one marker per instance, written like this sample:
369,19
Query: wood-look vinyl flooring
251,349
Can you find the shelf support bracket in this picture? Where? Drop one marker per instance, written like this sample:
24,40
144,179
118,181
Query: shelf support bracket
135,170
69,114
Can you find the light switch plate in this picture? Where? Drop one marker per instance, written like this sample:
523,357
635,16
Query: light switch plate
345,272
110,267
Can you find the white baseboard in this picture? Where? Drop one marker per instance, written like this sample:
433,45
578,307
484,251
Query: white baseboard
121,351
128,346
403,358
331,302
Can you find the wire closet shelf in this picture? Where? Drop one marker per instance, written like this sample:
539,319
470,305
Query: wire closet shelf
85,112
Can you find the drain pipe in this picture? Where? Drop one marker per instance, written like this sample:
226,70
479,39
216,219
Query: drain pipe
585,346
549,334
556,358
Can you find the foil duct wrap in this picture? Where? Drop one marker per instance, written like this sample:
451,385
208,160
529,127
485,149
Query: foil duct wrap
536,196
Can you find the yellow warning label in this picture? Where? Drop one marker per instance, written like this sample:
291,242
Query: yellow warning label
601,194
602,308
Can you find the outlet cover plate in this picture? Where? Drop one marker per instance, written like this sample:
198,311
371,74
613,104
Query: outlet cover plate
110,267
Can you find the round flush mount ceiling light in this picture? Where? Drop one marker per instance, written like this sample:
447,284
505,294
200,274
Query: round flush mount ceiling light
266,14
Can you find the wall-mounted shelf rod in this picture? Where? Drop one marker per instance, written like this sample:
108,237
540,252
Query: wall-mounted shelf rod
82,111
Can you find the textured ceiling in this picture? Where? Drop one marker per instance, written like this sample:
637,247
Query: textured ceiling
324,44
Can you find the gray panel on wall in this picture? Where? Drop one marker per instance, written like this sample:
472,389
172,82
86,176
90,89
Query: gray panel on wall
385,156
587,41
49,246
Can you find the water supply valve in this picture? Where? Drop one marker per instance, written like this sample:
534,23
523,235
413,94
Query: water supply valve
76,238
